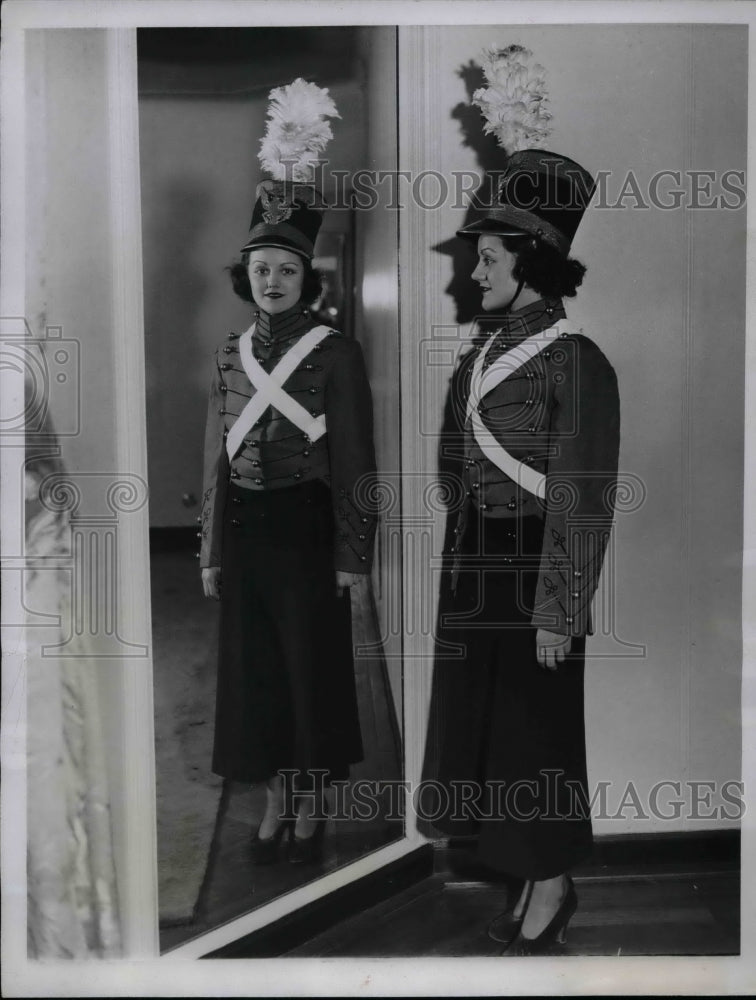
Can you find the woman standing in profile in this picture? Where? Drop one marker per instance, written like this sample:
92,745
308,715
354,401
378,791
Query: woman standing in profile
538,424
288,448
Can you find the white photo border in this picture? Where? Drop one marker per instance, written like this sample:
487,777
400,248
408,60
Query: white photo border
343,977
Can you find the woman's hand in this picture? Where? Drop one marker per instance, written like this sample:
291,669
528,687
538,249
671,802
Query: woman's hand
211,582
344,579
551,648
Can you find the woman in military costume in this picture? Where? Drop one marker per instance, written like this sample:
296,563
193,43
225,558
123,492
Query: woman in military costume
537,435
288,457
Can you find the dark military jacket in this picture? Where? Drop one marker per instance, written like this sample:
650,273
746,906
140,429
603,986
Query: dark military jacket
275,453
558,414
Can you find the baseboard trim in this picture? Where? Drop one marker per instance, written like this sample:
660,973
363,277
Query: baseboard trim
294,929
640,853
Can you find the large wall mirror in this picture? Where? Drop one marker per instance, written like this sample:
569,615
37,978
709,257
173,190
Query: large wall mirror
197,199
144,144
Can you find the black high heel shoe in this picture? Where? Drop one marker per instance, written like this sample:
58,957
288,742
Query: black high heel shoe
265,849
307,850
554,932
505,928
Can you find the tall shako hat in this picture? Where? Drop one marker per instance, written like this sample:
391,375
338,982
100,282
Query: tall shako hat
288,208
540,193
285,215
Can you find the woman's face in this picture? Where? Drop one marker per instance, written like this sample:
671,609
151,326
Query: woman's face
494,273
275,277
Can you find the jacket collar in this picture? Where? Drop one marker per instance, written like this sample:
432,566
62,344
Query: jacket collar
514,327
282,326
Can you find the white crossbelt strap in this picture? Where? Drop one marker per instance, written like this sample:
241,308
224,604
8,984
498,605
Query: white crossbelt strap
483,381
269,389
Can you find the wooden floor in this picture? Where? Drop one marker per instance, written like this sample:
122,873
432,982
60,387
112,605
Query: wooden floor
675,914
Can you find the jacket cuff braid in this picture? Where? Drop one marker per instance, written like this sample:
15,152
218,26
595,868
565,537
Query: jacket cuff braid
355,534
569,573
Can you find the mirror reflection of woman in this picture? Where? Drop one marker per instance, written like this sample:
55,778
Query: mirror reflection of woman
538,418
284,536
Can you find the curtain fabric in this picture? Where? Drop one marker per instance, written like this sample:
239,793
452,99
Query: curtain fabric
71,885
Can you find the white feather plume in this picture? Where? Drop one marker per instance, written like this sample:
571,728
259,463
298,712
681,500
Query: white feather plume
297,131
515,102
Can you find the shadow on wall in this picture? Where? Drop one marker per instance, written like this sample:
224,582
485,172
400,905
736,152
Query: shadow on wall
492,160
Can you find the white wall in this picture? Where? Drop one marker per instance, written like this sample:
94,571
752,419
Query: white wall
664,298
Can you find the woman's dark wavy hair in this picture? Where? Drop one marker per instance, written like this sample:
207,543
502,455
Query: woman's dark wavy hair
311,283
543,268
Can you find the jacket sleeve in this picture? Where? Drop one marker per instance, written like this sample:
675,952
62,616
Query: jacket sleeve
351,453
215,476
580,486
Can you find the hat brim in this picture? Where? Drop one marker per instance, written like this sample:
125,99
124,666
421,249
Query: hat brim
491,226
278,243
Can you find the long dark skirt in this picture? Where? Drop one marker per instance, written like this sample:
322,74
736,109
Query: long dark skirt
506,737
286,695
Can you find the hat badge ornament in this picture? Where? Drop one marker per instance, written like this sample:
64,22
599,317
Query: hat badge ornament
275,207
